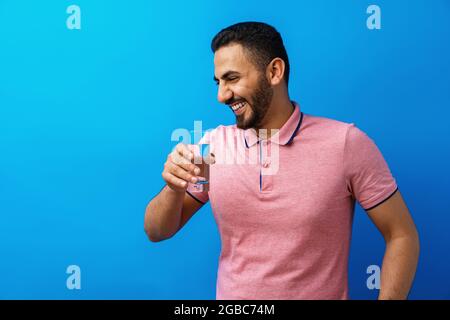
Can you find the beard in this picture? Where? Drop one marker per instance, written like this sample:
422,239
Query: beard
260,103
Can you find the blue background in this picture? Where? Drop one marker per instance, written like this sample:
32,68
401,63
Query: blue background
86,118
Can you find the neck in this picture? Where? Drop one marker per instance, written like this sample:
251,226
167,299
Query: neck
280,110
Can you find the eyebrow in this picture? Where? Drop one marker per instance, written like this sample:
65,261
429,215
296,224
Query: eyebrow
227,75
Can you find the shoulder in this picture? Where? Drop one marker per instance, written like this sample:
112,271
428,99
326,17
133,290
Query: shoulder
325,129
323,123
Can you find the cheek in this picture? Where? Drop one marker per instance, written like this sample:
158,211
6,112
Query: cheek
243,91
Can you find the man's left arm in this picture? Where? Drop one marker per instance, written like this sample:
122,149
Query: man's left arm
393,220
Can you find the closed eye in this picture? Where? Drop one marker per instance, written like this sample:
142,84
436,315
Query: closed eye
230,76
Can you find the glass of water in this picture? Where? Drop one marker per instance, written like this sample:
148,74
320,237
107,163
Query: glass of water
200,146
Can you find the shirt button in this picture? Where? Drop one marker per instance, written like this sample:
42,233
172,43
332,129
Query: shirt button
266,164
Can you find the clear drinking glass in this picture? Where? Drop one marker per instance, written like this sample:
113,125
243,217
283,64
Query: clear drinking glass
200,146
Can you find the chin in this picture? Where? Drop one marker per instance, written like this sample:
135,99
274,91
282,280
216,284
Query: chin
242,124
246,123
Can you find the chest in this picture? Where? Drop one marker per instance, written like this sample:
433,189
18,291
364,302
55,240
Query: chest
290,187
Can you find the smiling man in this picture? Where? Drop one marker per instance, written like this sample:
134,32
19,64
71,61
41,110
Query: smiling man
285,233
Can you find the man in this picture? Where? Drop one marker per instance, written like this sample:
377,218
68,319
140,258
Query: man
286,230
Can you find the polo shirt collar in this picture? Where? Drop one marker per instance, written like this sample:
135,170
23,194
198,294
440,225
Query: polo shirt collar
286,133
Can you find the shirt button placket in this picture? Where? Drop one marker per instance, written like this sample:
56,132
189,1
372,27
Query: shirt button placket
266,178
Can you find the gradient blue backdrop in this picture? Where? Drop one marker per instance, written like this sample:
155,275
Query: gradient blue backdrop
86,117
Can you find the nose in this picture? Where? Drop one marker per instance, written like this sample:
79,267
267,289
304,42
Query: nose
224,94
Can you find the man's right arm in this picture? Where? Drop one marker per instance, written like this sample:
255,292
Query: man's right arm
168,212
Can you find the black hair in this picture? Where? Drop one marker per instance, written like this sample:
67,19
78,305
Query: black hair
262,41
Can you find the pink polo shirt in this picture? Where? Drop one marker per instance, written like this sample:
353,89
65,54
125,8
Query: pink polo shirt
284,206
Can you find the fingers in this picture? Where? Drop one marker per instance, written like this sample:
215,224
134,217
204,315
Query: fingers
184,157
180,167
172,180
181,173
184,151
182,162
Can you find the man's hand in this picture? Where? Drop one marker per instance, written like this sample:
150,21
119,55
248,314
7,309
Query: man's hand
180,169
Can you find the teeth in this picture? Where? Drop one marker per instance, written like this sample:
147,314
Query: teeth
237,106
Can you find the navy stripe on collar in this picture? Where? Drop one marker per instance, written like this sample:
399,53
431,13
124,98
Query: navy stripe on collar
296,129
245,141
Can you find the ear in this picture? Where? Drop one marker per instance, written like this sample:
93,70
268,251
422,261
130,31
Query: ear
275,71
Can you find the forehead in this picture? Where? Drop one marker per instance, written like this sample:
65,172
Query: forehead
231,57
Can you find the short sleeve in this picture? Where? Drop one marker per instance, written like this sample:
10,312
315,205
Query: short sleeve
368,176
201,197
